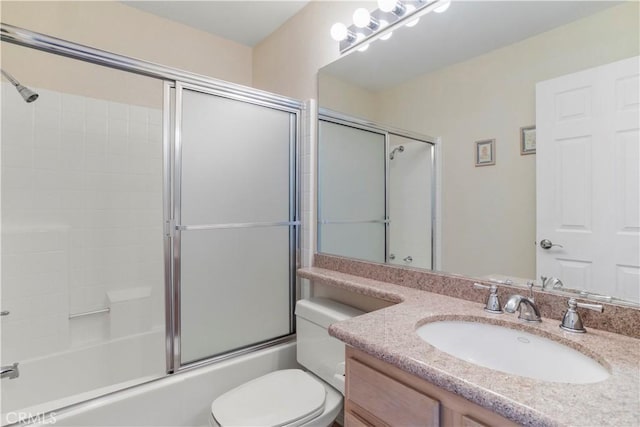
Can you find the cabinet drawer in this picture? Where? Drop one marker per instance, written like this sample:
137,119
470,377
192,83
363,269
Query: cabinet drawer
393,402
353,420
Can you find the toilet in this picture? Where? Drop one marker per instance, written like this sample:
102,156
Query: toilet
295,397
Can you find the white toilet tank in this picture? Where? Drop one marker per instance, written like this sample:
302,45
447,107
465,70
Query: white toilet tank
320,353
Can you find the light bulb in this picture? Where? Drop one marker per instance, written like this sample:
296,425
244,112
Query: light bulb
361,17
443,6
339,31
387,5
413,22
383,24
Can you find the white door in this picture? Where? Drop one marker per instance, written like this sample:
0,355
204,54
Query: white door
588,179
410,202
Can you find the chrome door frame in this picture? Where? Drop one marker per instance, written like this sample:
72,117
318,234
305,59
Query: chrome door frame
173,192
331,116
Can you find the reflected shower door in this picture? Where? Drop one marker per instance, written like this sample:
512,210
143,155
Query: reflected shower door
235,216
351,192
411,199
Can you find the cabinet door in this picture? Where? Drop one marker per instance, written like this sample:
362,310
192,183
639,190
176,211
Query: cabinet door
389,400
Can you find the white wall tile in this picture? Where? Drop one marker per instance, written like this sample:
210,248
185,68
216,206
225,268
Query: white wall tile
17,156
82,214
73,103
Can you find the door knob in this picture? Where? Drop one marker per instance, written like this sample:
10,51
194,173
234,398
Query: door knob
392,257
547,244
408,259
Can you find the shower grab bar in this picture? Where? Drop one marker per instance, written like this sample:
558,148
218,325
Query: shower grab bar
355,221
235,225
89,313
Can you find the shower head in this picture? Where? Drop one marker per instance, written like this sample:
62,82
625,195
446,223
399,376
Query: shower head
399,148
25,92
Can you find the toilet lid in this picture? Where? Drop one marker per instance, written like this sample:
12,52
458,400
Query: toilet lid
289,397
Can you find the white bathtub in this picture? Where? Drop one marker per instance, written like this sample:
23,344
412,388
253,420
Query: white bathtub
54,380
182,399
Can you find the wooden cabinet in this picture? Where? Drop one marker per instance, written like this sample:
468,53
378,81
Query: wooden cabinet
378,394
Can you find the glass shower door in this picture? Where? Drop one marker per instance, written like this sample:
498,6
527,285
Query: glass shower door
234,250
411,202
351,192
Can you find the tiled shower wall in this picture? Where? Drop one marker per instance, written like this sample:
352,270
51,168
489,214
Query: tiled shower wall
81,221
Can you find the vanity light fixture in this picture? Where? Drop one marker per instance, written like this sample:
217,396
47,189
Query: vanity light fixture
380,23
363,47
443,7
363,19
387,34
340,32
412,23
394,6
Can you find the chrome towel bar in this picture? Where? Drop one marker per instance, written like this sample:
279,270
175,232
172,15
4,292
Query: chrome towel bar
89,313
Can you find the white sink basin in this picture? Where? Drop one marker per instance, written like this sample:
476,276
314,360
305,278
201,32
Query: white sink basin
512,351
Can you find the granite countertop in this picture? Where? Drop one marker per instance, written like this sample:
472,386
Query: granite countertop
389,335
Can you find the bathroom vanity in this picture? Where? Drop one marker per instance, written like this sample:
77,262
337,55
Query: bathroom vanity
378,393
393,377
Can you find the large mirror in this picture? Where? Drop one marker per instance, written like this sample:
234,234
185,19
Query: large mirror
475,74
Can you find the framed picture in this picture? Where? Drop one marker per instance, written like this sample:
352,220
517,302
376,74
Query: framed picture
485,152
528,140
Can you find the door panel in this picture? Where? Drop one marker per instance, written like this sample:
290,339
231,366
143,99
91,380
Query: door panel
351,191
225,304
588,179
235,219
410,202
235,159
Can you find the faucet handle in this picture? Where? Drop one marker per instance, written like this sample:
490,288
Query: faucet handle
571,320
493,302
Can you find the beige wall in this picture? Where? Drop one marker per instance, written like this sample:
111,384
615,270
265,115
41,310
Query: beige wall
118,28
489,212
341,96
287,62
122,29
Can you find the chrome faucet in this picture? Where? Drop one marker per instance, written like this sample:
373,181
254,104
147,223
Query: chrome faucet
551,281
571,320
528,310
10,371
492,304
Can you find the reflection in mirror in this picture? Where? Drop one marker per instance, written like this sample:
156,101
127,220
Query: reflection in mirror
352,208
411,202
472,74
375,191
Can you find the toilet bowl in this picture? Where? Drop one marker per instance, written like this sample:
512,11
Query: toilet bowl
291,398
295,397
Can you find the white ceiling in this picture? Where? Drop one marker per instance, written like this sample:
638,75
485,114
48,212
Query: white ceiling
466,30
246,22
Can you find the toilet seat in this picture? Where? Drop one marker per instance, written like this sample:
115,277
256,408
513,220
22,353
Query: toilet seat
289,397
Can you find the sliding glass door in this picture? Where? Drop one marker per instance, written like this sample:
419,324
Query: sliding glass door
351,191
235,219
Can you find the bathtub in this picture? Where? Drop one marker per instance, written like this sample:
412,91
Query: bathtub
181,399
55,380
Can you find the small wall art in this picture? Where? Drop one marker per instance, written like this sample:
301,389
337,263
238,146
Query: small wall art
528,140
485,152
